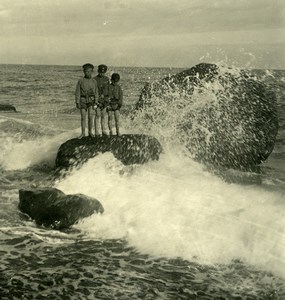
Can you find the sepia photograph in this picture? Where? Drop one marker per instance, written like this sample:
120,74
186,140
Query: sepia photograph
142,149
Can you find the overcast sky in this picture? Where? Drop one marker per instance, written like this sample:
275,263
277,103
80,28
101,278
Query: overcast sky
171,33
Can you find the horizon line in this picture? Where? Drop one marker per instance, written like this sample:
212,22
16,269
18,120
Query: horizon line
113,66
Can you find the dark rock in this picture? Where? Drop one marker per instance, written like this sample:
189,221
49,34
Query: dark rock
7,107
184,81
129,149
52,208
229,116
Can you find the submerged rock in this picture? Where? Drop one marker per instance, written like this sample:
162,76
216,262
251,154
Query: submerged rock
52,208
229,117
129,149
7,107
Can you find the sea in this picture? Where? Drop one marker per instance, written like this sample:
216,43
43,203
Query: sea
171,229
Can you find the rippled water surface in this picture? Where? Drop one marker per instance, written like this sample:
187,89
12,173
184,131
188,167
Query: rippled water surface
171,229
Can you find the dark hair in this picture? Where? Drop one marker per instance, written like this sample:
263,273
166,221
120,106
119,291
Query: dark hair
87,66
115,77
102,68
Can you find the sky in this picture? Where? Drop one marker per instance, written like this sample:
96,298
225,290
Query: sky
150,33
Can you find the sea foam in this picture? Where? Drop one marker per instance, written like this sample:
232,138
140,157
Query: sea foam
175,208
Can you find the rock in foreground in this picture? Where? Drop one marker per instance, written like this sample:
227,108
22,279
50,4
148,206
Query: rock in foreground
52,208
7,107
129,149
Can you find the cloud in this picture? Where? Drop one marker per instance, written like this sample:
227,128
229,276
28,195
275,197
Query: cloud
150,50
4,13
142,16
135,31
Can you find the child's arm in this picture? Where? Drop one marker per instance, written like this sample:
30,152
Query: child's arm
106,93
106,89
77,94
96,94
120,97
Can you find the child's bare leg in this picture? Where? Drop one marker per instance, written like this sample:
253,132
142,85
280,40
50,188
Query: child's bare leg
103,120
90,120
83,122
110,121
117,121
97,120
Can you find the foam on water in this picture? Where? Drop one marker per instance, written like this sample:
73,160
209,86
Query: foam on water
169,208
174,208
30,146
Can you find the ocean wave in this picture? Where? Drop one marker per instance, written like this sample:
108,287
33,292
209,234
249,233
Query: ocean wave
25,144
175,208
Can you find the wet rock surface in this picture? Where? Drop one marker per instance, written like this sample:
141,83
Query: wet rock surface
52,208
129,149
7,107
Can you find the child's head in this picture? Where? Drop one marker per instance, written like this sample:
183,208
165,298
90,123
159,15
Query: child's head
115,77
102,69
88,70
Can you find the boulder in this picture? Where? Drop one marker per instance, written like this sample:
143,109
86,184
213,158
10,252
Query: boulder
229,117
185,81
52,208
129,149
7,107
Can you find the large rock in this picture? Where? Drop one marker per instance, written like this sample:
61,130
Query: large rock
128,148
7,107
225,117
52,208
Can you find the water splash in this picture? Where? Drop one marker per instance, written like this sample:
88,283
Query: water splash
223,116
25,144
174,208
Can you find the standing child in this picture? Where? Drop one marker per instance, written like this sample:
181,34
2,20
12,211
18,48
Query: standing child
86,97
103,88
115,103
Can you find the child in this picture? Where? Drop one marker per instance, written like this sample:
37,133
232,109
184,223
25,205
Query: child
86,97
103,88
115,103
